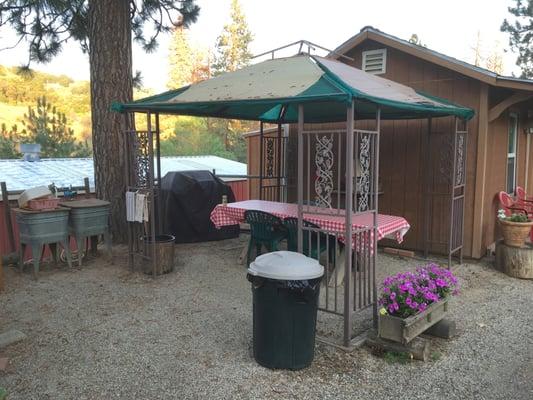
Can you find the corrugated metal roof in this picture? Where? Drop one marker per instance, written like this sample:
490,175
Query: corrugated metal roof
20,175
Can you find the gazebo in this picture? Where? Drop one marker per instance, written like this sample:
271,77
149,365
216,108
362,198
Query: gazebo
337,164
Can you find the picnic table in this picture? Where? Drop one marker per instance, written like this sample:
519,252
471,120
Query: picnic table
389,226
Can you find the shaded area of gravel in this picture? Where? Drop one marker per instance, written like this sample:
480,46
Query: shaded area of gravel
101,332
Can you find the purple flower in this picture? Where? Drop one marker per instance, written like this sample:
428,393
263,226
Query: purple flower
392,296
396,306
422,307
408,301
390,308
441,282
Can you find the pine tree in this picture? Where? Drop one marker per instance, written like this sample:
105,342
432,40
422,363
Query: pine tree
8,141
180,59
521,35
105,30
46,125
232,46
494,61
232,52
478,50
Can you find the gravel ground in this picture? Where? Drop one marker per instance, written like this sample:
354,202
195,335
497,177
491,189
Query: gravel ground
101,332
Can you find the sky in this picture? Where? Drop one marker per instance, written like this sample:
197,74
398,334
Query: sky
450,27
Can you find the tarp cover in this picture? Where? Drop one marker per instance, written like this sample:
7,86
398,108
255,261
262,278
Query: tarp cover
271,91
188,197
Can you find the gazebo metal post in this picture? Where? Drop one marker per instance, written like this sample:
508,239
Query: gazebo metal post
152,191
348,298
457,195
261,161
376,210
279,159
129,173
452,195
426,189
159,177
300,176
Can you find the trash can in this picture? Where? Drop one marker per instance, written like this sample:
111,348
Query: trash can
285,287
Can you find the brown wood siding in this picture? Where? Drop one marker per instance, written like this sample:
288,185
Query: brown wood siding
403,146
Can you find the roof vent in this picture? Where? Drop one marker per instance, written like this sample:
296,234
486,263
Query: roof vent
30,151
375,61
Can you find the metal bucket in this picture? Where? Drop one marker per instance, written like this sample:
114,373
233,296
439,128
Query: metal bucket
164,254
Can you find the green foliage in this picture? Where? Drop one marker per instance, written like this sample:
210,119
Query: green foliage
179,59
393,357
436,356
519,217
521,34
232,47
47,126
48,25
193,137
187,64
8,142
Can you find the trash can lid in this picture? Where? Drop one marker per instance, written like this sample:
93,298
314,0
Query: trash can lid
286,265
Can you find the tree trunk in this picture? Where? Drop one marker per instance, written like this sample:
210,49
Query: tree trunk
110,57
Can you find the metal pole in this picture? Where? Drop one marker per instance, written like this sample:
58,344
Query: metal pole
151,191
279,163
348,298
159,177
261,142
127,144
465,160
300,175
426,190
452,194
285,161
376,210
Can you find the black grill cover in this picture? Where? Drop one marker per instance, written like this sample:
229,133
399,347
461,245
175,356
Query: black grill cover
188,197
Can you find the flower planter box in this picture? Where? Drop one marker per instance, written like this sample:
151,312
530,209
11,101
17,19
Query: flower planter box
403,330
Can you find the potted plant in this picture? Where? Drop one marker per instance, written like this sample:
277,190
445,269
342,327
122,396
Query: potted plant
515,228
412,302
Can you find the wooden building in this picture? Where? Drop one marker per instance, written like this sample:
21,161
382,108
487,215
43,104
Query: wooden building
417,157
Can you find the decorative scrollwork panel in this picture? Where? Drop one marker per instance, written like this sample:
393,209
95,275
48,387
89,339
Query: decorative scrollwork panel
324,159
141,159
363,174
460,160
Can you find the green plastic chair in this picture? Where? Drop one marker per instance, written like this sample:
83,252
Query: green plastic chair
291,224
266,230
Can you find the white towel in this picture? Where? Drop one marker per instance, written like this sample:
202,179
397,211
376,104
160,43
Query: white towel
140,200
130,206
145,209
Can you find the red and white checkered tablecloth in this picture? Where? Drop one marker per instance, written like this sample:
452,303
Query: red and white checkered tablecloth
389,226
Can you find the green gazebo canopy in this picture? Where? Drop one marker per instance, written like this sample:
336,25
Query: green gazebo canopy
271,91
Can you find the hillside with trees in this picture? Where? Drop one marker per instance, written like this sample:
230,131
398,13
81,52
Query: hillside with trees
181,136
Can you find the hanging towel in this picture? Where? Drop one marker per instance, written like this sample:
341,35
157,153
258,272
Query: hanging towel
130,206
140,200
145,209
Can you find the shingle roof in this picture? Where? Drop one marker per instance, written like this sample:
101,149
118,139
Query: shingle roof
20,175
475,72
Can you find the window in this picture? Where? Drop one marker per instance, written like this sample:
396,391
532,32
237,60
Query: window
375,61
511,153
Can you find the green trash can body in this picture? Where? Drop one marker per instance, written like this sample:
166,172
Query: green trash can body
285,310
